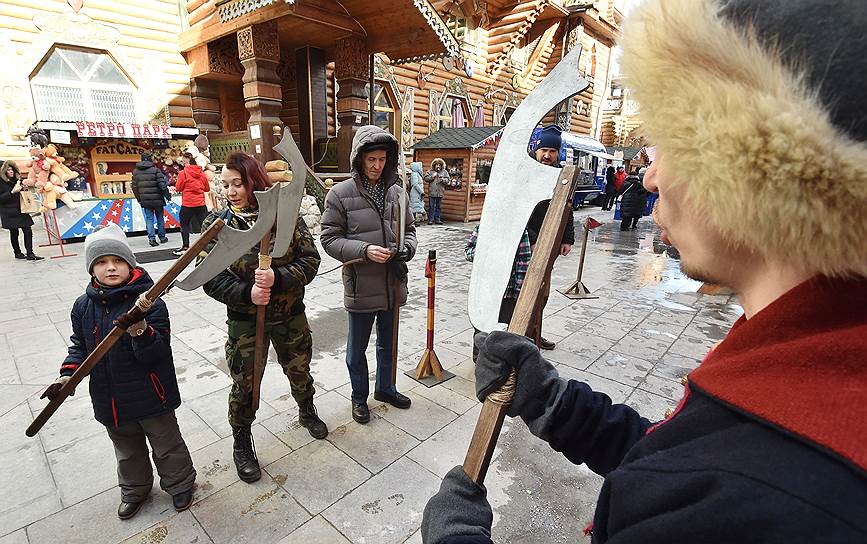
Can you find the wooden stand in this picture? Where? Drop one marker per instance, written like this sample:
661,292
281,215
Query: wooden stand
429,371
578,290
490,422
55,232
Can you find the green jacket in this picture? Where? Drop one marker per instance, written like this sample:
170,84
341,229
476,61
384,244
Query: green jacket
292,272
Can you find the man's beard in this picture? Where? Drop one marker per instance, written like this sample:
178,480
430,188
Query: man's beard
698,274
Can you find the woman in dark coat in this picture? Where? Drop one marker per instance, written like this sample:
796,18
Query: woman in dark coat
11,217
633,201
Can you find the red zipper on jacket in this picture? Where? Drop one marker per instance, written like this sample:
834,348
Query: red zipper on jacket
158,387
114,412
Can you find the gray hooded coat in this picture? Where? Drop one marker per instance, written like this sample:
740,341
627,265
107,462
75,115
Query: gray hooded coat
351,222
416,191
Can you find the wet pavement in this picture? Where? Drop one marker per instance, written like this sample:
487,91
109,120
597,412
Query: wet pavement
647,328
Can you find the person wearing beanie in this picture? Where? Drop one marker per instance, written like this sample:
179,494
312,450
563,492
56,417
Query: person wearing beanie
150,187
757,112
133,388
547,152
358,228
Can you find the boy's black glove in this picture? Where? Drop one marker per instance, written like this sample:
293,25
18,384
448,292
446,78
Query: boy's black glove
538,385
55,388
460,508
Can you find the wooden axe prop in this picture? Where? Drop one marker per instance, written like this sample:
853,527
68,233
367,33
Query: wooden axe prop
399,224
517,184
134,315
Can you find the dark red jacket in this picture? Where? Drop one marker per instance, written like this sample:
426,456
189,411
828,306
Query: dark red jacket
192,184
769,443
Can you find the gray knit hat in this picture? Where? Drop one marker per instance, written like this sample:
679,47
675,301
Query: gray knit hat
109,240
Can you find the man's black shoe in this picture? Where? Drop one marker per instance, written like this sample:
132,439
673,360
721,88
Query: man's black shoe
126,510
34,257
244,455
182,500
360,412
546,344
397,400
308,418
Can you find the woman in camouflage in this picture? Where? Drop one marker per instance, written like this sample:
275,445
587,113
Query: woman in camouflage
242,287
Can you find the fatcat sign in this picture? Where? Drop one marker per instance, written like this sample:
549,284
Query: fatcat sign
89,129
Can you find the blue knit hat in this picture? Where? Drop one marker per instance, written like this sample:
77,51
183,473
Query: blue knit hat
550,137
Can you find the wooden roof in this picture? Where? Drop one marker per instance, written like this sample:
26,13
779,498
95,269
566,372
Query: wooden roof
422,32
458,138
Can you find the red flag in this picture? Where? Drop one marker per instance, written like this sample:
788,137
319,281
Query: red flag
427,268
592,224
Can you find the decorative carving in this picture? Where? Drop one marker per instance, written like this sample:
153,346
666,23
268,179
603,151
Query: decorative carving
456,87
237,8
223,56
433,112
259,41
574,37
351,58
445,36
286,71
406,113
385,73
76,29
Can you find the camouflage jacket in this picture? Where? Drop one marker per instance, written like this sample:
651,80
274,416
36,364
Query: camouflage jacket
292,272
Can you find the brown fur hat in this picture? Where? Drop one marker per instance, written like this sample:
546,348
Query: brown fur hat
758,106
433,163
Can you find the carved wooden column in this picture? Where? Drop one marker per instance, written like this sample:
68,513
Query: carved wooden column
351,67
259,51
205,95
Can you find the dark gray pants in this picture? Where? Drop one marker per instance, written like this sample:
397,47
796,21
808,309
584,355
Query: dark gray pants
135,475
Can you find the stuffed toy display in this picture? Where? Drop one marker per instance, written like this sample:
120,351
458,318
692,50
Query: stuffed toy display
45,175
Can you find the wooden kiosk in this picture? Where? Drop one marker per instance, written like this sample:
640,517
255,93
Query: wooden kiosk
469,154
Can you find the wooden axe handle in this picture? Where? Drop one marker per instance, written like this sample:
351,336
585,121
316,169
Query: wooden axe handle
116,332
261,355
494,409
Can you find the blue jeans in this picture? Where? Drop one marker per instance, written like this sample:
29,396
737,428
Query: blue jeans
155,213
435,205
360,326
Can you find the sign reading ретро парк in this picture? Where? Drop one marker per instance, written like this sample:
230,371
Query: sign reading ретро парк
89,129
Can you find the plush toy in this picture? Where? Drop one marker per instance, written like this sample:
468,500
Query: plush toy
49,186
58,169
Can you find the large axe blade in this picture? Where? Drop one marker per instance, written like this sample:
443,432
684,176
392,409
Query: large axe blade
232,243
290,195
517,184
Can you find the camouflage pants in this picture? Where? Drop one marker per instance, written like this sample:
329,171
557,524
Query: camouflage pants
294,346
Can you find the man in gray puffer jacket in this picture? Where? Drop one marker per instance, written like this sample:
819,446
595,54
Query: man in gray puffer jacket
359,227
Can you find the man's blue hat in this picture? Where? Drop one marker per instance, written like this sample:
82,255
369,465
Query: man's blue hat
550,136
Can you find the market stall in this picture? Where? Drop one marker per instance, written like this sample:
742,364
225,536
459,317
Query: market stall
468,153
104,155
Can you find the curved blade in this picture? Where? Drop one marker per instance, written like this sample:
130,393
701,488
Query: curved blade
234,243
517,183
290,195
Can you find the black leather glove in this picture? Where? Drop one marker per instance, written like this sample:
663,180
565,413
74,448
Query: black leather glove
399,268
539,386
55,387
459,509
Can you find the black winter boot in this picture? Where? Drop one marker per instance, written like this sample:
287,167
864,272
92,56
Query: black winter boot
308,418
244,454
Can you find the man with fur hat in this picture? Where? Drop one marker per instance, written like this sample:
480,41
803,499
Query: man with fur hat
133,388
769,443
438,178
359,227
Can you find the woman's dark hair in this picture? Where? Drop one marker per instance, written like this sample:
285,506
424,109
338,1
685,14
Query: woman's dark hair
189,156
253,175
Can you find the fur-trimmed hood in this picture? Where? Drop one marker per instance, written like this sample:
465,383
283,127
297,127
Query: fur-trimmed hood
437,161
5,166
759,107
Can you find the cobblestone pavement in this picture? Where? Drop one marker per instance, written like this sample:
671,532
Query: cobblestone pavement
364,484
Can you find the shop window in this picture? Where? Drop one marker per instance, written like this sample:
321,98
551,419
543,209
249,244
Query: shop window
453,113
385,114
483,170
78,84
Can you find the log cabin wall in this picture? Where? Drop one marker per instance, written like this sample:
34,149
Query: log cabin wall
139,35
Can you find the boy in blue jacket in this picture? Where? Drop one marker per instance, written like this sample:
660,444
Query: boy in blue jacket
134,389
